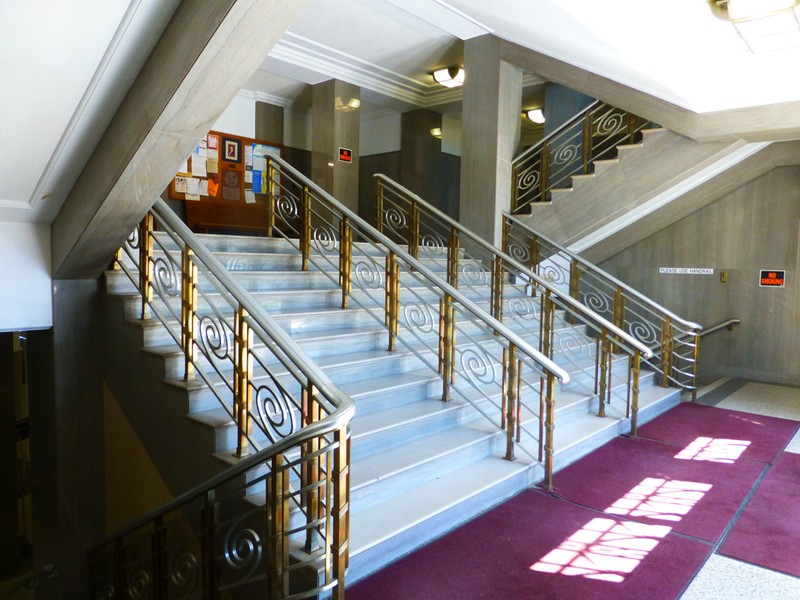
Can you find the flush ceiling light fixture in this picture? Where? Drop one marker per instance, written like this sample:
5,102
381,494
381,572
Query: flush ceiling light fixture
764,25
351,104
449,76
536,115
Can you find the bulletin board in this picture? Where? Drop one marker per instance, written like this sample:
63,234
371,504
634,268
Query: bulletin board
223,183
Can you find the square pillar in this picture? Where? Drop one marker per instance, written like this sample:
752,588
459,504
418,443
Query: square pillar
492,105
421,155
335,121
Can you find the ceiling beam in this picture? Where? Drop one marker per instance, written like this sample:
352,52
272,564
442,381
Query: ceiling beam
205,56
775,122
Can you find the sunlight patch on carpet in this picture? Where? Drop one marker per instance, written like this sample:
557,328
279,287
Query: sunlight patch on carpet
604,549
714,450
662,499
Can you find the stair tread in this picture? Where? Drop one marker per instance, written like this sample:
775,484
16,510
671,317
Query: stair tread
381,521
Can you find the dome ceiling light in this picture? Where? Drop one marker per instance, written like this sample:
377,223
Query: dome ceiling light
764,25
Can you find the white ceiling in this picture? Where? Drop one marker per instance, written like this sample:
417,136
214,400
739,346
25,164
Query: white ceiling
67,65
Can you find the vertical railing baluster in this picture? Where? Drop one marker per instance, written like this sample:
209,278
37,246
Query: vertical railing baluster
666,350
341,510
145,265
208,553
497,288
544,182
118,566
604,374
273,190
550,420
510,369
453,252
636,360
305,227
242,368
379,205
345,259
310,466
277,529
574,283
587,142
188,311
392,308
696,356
515,185
413,230
446,346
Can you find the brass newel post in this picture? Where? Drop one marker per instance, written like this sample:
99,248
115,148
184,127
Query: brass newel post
446,344
392,308
550,425
515,185
242,370
305,227
510,383
341,511
188,311
145,265
345,259
277,529
666,351
631,128
413,230
208,551
636,360
575,279
453,251
310,470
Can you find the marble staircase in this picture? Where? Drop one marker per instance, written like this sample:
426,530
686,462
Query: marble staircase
420,467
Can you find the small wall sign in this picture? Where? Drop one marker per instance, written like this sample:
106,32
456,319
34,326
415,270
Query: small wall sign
345,155
685,271
771,278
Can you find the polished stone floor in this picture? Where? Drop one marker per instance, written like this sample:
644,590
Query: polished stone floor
723,578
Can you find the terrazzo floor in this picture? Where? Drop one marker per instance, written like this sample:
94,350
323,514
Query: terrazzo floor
723,578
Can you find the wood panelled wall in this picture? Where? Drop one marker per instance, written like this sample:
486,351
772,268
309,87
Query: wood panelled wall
756,227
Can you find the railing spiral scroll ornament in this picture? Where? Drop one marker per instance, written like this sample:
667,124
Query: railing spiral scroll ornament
281,403
592,134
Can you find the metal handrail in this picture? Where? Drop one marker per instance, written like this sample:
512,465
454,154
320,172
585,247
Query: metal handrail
313,216
591,134
543,361
313,484
585,312
674,339
729,324
610,278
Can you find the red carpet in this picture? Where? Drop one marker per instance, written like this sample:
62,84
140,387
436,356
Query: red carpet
697,494
538,547
766,436
768,532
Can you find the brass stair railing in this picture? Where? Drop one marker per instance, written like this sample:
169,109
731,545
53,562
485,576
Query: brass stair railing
292,435
592,134
673,340
490,367
519,294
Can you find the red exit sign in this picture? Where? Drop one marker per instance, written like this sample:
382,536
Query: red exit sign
772,279
345,155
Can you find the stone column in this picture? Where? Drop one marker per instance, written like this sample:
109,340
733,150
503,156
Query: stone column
269,122
421,155
492,106
335,122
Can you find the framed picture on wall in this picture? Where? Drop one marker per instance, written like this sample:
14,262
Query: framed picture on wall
231,150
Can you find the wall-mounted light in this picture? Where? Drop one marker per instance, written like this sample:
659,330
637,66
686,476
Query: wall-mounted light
535,114
351,104
764,25
437,132
449,76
